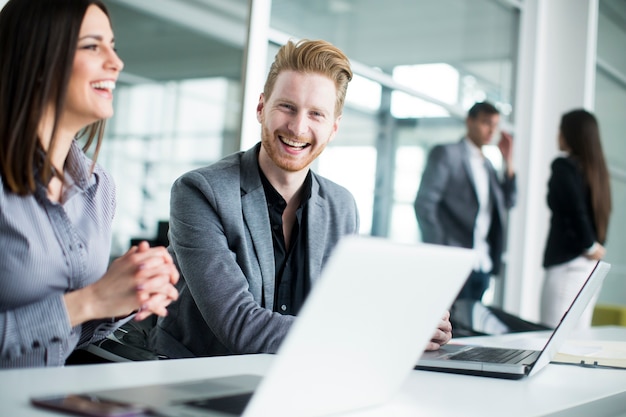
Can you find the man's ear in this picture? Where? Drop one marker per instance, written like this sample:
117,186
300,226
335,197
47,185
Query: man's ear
259,108
335,128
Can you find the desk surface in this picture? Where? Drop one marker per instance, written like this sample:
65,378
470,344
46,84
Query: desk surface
558,390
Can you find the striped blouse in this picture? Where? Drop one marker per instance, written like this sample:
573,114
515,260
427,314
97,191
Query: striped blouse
46,250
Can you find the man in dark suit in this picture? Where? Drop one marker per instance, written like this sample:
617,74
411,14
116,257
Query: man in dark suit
463,202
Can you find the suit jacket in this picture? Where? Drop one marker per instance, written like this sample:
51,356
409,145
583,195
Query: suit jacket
446,205
572,228
221,241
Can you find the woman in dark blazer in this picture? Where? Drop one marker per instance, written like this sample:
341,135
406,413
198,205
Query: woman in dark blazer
579,197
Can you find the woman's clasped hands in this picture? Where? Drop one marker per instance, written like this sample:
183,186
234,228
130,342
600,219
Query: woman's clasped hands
142,280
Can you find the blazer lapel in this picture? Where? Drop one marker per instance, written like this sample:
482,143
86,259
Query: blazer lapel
254,208
465,160
317,228
495,191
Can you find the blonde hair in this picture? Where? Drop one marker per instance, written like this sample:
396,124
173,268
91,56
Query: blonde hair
312,56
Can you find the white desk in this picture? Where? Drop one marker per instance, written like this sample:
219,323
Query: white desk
558,390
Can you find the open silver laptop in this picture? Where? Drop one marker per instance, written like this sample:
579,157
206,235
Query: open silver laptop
508,362
356,339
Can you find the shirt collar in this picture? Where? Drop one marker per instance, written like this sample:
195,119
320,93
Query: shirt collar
273,197
78,175
474,150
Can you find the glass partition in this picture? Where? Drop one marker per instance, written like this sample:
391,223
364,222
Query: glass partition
419,66
177,103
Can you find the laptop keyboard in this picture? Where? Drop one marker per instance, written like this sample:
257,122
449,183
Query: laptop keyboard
232,404
492,355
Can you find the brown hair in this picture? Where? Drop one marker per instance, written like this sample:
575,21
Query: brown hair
483,107
309,56
38,40
581,133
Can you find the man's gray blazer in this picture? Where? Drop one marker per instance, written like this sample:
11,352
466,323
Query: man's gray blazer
446,205
221,241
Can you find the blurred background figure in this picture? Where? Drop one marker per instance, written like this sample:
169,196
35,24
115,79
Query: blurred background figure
462,201
579,197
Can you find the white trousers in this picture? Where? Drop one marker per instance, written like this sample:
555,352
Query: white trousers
560,286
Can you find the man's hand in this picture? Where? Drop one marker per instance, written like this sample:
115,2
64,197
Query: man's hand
443,334
506,148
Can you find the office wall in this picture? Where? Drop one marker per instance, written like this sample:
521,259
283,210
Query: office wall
553,78
610,103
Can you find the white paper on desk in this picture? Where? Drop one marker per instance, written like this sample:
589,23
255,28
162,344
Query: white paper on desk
571,348
606,353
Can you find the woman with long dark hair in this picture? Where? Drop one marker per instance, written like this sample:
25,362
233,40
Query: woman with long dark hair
58,69
579,197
